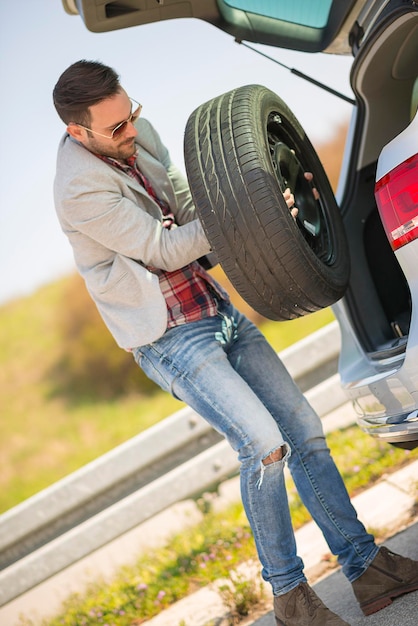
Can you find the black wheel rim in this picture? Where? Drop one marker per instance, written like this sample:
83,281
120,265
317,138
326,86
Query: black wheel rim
312,219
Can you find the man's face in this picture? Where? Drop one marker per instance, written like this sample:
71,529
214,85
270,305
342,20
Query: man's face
105,116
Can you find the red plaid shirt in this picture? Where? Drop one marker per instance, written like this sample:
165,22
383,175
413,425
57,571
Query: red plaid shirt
190,292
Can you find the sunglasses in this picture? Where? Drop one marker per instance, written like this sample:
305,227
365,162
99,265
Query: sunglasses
120,128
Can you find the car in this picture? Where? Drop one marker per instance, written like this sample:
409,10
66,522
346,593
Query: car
356,251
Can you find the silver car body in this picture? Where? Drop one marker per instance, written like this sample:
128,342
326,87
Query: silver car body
385,390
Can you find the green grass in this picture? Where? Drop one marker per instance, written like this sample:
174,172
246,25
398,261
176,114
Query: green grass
281,335
212,549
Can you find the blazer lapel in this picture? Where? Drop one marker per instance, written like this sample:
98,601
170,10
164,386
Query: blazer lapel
157,176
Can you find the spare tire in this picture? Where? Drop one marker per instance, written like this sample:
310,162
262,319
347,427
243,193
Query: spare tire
242,149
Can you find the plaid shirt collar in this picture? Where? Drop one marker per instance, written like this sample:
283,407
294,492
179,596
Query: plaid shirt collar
130,162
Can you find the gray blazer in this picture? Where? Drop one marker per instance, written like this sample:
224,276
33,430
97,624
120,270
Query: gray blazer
115,229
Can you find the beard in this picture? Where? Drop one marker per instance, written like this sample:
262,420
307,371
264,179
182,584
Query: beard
120,151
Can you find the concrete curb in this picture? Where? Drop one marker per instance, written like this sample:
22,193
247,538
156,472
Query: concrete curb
383,507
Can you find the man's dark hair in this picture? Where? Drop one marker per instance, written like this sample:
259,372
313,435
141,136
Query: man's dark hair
82,85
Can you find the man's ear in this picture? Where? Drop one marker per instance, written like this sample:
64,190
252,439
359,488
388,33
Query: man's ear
75,131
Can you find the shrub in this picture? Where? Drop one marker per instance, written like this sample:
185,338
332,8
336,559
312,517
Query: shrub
92,365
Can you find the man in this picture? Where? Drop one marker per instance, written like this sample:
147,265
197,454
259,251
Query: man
130,219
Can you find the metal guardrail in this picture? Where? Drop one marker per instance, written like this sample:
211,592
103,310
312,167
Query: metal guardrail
174,460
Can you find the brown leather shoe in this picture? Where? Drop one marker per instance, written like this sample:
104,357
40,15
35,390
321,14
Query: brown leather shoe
388,576
302,607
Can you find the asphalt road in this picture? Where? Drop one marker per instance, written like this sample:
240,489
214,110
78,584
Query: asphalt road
336,592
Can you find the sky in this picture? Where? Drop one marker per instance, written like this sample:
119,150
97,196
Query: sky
170,67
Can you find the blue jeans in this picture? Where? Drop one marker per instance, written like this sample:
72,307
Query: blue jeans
225,370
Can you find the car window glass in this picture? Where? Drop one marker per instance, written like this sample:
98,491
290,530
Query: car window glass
303,12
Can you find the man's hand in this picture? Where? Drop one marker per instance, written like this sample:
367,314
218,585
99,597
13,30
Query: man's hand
309,178
290,199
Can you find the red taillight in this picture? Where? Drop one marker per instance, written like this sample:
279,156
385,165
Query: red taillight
397,199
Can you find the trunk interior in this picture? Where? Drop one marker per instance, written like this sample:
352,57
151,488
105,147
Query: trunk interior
378,296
